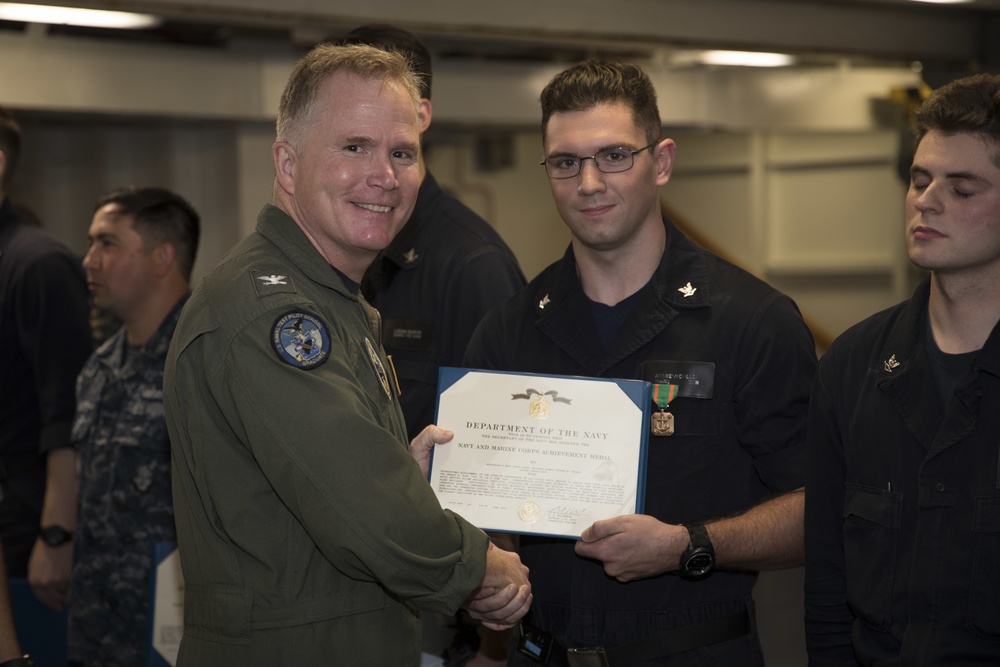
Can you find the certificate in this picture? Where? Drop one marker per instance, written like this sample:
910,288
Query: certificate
540,454
166,618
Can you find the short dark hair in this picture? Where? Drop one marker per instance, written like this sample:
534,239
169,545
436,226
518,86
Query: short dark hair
10,144
159,216
390,38
297,106
593,82
970,105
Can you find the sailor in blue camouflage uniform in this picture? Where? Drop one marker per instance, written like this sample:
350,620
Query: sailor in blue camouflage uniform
142,244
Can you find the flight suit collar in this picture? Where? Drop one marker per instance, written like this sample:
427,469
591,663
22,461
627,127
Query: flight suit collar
280,229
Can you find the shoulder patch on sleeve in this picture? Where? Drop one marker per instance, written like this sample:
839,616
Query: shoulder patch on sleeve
271,282
300,339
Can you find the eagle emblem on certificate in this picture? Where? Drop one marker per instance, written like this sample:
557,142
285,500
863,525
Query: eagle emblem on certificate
538,402
539,407
528,511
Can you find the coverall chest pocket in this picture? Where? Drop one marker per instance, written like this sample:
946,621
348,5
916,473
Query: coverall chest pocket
984,609
871,535
140,455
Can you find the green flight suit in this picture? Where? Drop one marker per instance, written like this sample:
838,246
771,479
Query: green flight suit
307,534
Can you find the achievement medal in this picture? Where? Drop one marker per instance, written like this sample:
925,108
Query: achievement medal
662,422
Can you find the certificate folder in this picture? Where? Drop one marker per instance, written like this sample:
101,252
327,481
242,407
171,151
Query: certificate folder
540,454
166,606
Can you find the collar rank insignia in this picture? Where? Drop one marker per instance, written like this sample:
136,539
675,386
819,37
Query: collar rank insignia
544,302
383,378
300,339
891,363
687,290
410,256
267,282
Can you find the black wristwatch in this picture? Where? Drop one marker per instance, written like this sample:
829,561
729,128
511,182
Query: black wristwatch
24,661
698,560
54,536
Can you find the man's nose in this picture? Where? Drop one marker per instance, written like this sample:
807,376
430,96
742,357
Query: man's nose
591,178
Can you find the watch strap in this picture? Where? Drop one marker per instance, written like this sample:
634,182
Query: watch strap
699,536
700,553
54,536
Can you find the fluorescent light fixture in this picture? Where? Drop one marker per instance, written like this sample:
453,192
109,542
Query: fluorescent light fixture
946,2
94,18
733,58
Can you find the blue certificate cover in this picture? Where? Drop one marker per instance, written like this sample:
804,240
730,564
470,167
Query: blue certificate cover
540,454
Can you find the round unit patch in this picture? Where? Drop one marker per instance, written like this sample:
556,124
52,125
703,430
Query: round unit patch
301,339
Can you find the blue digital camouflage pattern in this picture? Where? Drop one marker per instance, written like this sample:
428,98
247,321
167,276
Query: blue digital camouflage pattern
124,497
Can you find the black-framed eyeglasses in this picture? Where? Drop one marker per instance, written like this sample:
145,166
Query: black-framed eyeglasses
610,160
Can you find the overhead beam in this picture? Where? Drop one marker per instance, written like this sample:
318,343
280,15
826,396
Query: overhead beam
902,31
64,74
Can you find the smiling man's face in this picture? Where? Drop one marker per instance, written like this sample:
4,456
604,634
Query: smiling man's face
354,175
605,211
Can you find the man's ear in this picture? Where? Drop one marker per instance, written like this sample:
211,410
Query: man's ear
284,165
165,257
664,153
424,113
3,168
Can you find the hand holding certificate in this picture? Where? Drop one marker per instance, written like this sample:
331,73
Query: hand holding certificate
540,454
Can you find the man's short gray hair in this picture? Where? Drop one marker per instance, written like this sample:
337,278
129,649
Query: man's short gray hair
298,101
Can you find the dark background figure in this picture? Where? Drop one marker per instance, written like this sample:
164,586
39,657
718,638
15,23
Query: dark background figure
442,273
10,649
45,338
445,269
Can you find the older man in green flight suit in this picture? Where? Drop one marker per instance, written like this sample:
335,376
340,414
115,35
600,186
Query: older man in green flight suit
308,534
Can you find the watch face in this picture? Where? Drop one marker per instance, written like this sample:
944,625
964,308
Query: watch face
700,563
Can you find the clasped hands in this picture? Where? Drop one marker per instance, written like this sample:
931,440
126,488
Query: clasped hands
504,596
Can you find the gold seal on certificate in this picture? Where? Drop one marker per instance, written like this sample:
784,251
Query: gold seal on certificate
540,454
528,511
